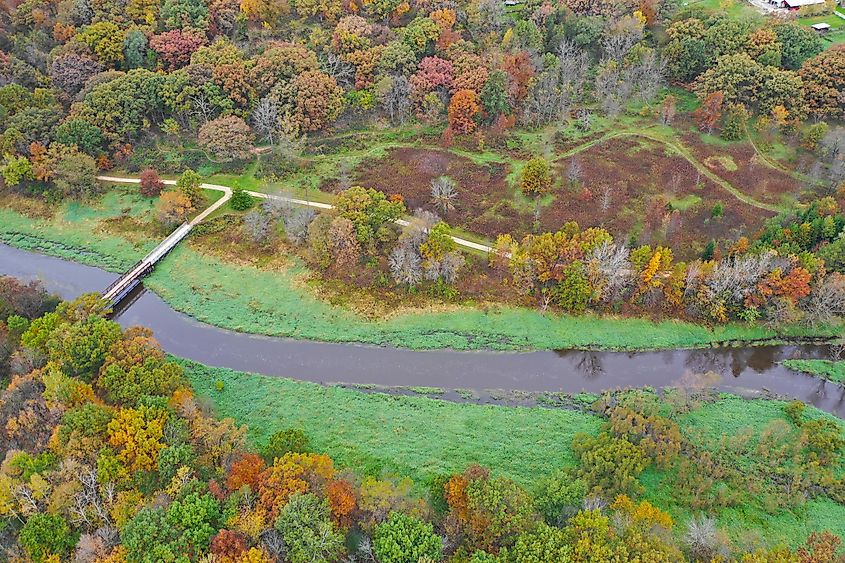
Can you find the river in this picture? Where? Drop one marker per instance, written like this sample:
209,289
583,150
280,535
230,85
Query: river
750,371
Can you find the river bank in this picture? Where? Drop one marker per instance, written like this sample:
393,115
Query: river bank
422,437
826,369
514,376
276,299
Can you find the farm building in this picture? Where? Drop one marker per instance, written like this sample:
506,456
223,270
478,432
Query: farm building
795,4
821,28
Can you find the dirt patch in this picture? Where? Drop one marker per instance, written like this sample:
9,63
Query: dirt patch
644,194
739,164
483,204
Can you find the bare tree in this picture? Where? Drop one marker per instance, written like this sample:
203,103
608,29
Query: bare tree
701,537
277,208
90,505
405,265
648,75
297,223
557,88
620,36
444,193
668,110
831,168
202,108
738,277
827,300
573,67
416,231
396,99
273,542
445,268
546,102
606,198
342,71
491,16
265,119
593,502
611,269
258,227
84,11
613,86
344,175
585,119
573,170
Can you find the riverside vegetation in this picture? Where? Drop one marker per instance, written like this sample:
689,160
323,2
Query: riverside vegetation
112,453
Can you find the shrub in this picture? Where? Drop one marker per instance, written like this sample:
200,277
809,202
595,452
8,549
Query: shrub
794,410
574,291
536,177
173,208
284,441
610,466
405,539
241,201
718,210
151,184
559,496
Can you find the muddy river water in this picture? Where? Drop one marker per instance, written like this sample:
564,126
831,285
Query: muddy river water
747,371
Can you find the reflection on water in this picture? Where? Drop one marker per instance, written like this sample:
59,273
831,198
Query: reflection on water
748,371
589,364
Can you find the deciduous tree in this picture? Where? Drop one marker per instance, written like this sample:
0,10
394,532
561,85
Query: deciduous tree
536,177
151,184
404,539
710,111
824,80
228,138
173,208
175,47
463,110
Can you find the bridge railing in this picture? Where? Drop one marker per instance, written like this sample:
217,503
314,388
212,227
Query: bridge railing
116,290
119,280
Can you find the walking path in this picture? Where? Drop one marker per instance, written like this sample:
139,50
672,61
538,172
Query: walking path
228,194
683,152
675,147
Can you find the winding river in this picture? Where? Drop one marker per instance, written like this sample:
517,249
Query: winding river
751,371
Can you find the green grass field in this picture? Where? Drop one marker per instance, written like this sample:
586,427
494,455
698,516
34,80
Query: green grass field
277,302
826,369
409,436
421,437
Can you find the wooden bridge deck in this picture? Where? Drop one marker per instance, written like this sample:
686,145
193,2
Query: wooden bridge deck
124,284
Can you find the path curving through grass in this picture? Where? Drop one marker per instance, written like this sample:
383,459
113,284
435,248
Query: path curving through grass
683,152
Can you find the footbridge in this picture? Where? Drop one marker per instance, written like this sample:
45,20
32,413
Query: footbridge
124,285
121,287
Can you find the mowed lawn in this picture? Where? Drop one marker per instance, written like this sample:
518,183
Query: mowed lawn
836,35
